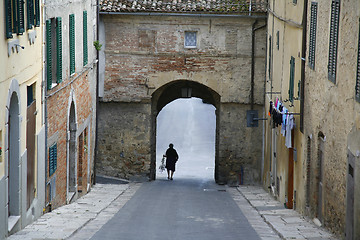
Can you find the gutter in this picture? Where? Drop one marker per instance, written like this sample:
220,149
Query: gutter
185,15
97,92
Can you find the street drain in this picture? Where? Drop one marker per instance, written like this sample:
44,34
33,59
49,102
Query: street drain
213,190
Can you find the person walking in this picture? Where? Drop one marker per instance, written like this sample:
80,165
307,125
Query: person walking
171,159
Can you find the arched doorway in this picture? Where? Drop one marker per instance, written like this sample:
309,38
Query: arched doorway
13,160
182,89
72,166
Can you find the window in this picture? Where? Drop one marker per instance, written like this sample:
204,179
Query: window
53,52
278,40
72,43
33,13
14,17
357,87
85,40
294,1
312,41
190,39
270,58
52,159
291,83
333,42
30,94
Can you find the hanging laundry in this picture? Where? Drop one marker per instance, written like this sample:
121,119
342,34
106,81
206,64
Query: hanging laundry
290,124
283,125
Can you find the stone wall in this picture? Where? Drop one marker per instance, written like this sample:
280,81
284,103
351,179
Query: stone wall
145,56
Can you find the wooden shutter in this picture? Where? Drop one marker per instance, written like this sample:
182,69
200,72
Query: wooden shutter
292,76
30,14
52,159
312,41
72,43
8,19
48,55
357,87
85,39
20,17
333,42
59,50
37,13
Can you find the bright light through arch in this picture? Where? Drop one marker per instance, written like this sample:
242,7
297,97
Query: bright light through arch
190,125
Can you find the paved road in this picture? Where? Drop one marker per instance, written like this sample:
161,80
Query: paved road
183,209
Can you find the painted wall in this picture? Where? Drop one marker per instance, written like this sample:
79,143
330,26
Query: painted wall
21,68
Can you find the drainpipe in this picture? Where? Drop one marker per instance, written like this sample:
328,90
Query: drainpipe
44,91
253,30
303,61
97,91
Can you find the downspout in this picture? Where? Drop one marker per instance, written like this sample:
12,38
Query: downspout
44,90
253,30
97,92
303,61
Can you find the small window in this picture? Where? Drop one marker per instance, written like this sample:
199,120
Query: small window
52,159
294,1
277,40
30,94
190,39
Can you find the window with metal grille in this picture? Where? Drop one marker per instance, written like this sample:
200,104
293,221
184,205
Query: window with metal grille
52,159
85,39
292,76
312,40
14,17
357,87
72,42
53,51
333,42
190,39
33,13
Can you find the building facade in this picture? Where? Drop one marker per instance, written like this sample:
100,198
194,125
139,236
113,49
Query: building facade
314,60
22,124
156,52
70,98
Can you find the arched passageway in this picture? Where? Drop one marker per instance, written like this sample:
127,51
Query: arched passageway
176,90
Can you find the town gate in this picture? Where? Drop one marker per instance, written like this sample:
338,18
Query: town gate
149,60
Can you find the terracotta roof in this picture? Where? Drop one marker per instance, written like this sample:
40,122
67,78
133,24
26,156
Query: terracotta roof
184,6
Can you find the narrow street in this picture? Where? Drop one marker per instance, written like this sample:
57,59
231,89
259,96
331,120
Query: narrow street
179,209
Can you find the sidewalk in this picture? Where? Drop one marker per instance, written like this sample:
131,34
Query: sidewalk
287,223
89,213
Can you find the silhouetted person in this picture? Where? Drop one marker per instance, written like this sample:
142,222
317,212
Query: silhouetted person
171,159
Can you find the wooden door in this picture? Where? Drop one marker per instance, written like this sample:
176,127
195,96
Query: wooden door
30,146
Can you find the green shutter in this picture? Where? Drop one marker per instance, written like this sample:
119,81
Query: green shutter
312,40
59,50
357,86
20,17
85,39
8,19
72,43
292,76
48,55
37,13
333,42
52,159
30,14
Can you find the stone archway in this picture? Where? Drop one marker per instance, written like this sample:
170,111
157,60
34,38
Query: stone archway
175,90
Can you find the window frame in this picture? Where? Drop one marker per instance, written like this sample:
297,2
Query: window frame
53,52
186,37
292,79
85,39
52,159
72,43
